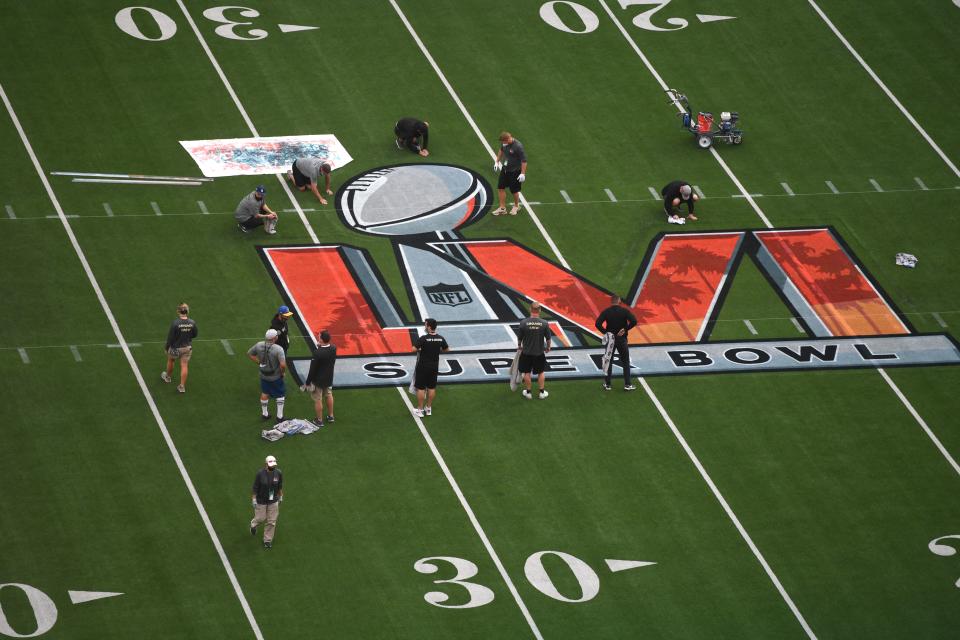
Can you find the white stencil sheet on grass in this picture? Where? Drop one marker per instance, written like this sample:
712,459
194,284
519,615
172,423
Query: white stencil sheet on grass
257,156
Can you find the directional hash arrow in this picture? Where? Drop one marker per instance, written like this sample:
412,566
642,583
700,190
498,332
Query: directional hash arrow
77,597
290,28
623,565
707,18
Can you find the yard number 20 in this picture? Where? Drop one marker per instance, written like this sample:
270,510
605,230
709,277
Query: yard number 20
589,20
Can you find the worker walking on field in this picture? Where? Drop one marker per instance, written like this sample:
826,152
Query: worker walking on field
266,496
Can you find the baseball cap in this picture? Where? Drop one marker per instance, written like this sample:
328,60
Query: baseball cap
685,191
271,334
285,311
271,461
261,189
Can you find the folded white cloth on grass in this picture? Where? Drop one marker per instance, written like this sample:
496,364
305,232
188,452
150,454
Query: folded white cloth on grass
271,435
289,428
907,260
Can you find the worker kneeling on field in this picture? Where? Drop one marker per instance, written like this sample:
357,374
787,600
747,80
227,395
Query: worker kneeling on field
674,195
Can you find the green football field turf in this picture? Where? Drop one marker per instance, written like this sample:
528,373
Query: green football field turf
758,505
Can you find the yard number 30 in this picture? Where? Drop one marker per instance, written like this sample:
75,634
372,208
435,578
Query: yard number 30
168,28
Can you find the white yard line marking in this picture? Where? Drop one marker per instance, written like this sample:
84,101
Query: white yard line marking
797,324
23,355
10,212
831,186
654,193
699,192
175,183
750,327
203,207
610,195
76,353
470,514
108,209
566,197
787,189
156,208
916,416
128,176
126,344
531,203
68,215
920,184
936,316
876,185
108,312
887,91
726,507
227,347
281,178
748,196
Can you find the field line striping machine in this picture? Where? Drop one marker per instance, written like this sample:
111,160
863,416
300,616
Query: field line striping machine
702,128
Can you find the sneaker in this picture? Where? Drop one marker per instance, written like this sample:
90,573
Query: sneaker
428,411
606,387
165,376
330,419
181,388
253,531
418,413
242,228
264,416
271,230
514,209
629,387
676,220
543,394
317,422
279,420
499,211
267,545
526,394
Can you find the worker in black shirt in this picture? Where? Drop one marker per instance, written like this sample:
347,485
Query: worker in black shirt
279,322
533,339
675,194
267,494
320,377
614,322
413,134
179,346
429,347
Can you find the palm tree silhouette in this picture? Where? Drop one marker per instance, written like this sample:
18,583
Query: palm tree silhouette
664,291
684,258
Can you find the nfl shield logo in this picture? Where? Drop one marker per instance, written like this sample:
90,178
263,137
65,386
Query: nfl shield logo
450,295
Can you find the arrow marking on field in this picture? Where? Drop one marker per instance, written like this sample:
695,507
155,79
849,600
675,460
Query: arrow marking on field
623,565
290,28
707,18
78,597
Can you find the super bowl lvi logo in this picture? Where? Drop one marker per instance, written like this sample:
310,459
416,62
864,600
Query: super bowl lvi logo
479,289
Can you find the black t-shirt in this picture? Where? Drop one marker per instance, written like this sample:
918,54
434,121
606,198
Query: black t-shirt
430,347
614,318
321,367
283,328
267,485
413,128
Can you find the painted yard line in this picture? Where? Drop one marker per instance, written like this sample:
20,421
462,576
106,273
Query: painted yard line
156,208
750,327
470,514
831,186
797,324
936,316
920,184
787,189
726,507
174,183
750,195
108,312
127,344
68,215
476,130
294,210
876,185
566,197
108,209
610,195
76,353
532,203
916,416
129,176
887,91
654,193
10,212
743,532
227,347
23,355
699,192
246,118
203,207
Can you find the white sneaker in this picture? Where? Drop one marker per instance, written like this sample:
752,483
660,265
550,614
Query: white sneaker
676,220
514,209
418,413
543,394
428,411
165,377
181,388
499,211
270,226
526,394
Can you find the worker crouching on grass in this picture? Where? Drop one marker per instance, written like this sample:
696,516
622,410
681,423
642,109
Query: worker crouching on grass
253,212
674,194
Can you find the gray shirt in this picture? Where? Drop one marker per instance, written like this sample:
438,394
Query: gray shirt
310,167
270,357
534,336
513,156
249,207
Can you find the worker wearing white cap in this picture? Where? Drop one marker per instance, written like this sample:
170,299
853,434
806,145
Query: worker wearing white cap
674,194
273,364
266,496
